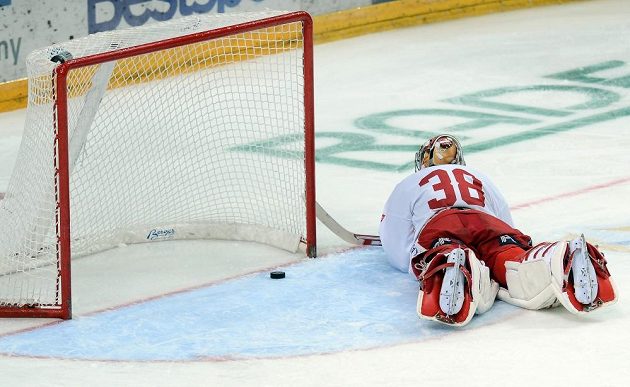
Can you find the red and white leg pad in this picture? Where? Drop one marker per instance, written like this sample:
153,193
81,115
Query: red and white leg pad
581,279
529,281
454,286
572,274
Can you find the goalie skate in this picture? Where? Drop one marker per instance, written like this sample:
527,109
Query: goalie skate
583,272
454,286
452,291
581,279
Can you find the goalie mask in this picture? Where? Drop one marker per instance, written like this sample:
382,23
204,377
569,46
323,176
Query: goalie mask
439,150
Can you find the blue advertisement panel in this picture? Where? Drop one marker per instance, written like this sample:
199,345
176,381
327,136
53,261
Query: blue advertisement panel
26,25
106,15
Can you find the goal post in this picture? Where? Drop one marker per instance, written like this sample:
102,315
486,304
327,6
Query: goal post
153,133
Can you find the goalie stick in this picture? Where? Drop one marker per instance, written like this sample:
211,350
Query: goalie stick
341,232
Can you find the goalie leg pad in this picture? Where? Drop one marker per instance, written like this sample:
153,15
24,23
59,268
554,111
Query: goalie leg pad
581,279
454,286
529,282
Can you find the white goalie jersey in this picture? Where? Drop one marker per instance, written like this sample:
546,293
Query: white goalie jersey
417,198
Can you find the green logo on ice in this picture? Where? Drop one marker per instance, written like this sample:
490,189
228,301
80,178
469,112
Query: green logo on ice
581,98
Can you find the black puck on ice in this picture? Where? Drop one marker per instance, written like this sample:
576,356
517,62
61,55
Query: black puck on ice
277,274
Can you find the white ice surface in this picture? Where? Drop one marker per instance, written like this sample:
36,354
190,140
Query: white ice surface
578,179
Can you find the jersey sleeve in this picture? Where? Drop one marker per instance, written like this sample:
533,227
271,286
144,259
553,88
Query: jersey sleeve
397,230
397,236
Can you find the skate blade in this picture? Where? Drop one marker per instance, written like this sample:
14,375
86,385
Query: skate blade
452,291
584,277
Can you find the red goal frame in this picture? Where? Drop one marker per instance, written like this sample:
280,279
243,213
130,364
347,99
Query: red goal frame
62,175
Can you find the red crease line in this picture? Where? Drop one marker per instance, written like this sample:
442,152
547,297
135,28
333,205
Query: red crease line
569,194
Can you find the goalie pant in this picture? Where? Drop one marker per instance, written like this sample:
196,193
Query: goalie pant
493,241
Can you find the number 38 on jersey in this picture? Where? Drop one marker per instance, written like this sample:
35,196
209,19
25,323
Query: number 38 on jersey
449,188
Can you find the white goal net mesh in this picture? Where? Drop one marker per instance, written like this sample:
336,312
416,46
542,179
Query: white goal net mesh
184,142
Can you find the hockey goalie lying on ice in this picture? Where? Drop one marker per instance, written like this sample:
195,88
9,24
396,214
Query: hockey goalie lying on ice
449,226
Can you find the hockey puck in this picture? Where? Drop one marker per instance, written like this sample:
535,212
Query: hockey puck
277,274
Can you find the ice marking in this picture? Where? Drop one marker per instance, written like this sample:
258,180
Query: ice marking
349,301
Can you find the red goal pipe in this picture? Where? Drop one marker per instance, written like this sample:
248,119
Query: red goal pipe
198,37
309,135
63,192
